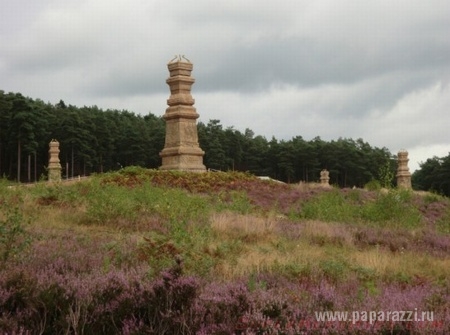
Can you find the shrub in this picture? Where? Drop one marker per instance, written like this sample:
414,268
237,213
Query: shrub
386,175
334,270
443,223
328,206
109,204
13,236
394,208
188,241
373,185
60,195
220,307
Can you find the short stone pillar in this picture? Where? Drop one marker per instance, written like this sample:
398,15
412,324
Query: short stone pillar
54,166
181,149
403,174
325,178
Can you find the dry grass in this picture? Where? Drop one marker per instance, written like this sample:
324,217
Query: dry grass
302,186
320,232
377,260
387,264
264,248
248,227
267,257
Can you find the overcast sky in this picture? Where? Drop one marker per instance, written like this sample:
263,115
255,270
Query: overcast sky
377,70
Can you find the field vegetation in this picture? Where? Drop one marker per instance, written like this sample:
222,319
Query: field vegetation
142,251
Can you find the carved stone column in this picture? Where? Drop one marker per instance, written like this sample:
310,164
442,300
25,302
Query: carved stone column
181,149
403,174
325,178
54,166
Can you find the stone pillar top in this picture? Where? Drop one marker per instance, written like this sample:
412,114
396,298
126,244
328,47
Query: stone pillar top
403,153
403,160
180,66
180,82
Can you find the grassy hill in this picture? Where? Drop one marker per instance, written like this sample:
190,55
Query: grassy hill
155,252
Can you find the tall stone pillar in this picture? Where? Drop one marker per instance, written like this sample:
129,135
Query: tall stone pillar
325,178
181,149
54,166
403,174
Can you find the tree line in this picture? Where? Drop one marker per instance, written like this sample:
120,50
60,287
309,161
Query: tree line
350,162
91,139
433,175
96,140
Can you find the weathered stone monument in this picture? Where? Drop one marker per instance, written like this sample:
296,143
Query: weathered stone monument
181,149
403,174
324,178
54,166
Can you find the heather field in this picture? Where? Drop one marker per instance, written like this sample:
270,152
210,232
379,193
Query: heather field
151,252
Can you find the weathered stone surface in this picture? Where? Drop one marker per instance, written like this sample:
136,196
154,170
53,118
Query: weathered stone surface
54,166
181,149
325,178
403,174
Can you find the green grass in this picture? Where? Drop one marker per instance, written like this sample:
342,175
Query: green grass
220,233
393,208
329,206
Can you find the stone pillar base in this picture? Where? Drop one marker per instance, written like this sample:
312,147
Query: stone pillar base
182,158
54,175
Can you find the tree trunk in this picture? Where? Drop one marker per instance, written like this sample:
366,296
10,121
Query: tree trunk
72,162
29,168
67,167
19,153
35,168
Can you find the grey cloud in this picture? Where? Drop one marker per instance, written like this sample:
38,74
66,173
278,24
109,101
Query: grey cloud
308,63
310,68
